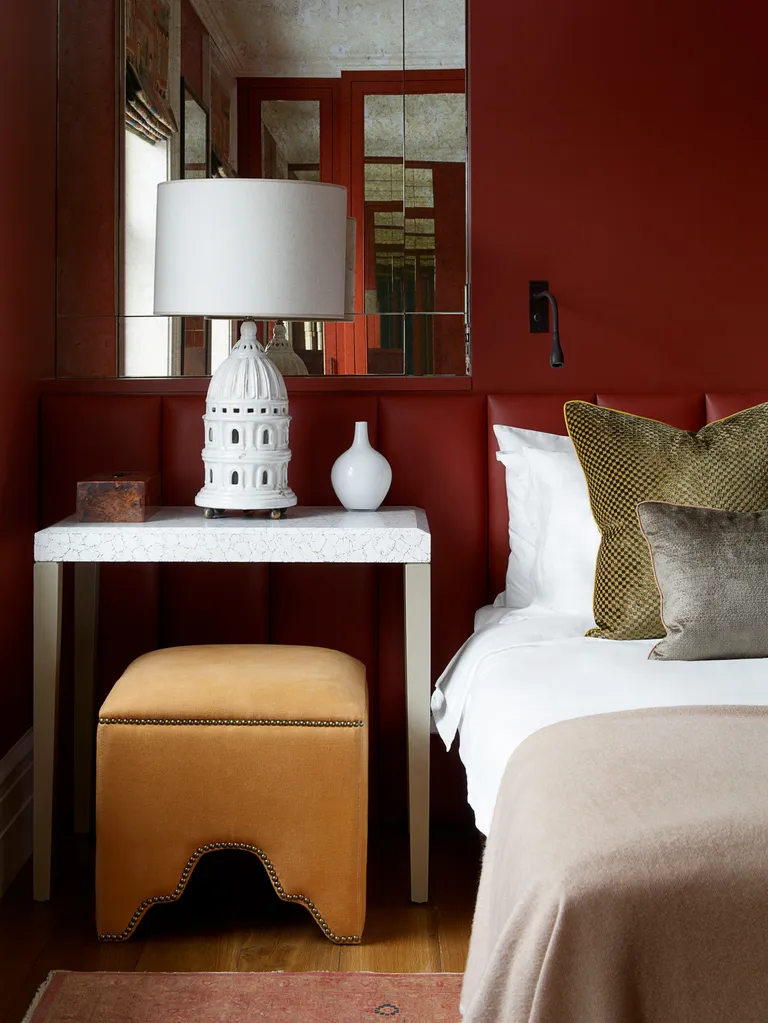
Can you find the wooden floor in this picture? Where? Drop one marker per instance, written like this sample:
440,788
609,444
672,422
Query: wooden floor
230,919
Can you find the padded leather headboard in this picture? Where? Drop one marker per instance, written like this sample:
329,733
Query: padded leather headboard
545,412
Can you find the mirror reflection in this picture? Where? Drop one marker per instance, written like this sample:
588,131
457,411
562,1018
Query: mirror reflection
194,141
370,95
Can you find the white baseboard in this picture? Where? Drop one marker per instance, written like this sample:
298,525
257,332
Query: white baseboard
15,810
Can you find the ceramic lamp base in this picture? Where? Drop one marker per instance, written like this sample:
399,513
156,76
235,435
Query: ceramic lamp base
274,499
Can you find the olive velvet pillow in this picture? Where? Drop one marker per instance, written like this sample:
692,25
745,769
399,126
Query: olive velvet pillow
628,459
712,572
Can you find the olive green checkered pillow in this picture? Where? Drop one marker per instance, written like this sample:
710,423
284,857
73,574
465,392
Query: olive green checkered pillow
627,459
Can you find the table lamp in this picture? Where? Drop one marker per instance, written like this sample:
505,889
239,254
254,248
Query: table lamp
248,249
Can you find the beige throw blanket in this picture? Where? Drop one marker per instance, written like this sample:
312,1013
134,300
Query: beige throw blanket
625,879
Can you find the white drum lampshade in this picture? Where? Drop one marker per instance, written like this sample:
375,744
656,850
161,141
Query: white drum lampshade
240,247
249,249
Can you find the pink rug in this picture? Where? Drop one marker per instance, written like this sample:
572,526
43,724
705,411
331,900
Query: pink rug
236,997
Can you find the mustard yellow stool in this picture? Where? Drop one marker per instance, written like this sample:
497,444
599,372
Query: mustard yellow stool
262,748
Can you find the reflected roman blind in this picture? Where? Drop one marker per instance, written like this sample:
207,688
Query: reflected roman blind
147,108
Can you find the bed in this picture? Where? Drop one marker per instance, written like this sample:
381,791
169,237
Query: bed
625,877
524,670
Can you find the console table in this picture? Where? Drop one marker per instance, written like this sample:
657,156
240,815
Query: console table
387,536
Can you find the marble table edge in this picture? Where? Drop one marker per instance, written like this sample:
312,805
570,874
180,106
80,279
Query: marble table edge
303,516
240,541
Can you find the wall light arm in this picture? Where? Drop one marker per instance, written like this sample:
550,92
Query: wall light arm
556,360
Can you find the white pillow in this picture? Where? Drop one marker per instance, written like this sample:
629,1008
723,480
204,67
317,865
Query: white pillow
553,538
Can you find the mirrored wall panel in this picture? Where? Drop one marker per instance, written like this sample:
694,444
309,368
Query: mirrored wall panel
194,136
369,94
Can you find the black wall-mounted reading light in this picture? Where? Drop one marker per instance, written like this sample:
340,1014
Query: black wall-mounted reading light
540,298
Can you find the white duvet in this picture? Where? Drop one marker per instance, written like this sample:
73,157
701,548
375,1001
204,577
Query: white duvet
523,670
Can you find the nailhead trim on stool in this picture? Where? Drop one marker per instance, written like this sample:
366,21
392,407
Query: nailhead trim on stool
228,721
212,847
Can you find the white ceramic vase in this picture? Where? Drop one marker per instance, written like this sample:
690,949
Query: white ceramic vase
361,476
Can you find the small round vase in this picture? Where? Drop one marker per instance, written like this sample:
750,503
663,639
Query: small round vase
361,476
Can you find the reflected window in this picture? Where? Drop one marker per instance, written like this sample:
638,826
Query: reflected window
194,136
384,182
146,339
420,234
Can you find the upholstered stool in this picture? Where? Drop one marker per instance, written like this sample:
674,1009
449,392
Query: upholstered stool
262,748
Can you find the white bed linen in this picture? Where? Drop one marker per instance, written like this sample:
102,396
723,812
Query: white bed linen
532,668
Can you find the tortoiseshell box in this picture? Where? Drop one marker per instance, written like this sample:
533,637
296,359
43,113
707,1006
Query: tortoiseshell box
118,497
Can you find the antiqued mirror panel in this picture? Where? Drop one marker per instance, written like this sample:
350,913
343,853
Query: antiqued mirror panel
194,136
290,139
369,94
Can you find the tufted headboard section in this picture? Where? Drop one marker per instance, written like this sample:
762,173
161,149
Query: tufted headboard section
545,412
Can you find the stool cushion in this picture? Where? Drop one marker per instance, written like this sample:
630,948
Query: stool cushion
291,683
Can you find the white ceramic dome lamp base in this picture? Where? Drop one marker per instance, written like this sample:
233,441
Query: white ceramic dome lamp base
362,476
246,451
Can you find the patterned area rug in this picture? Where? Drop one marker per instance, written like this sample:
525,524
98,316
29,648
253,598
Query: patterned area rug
236,997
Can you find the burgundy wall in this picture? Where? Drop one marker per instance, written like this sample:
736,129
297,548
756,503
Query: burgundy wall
619,150
27,281
86,212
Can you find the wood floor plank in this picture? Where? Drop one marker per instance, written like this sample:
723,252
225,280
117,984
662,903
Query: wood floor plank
36,938
397,939
25,928
293,948
455,876
399,936
72,945
182,953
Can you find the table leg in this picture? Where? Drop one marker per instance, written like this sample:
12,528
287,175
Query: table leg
47,649
86,619
418,687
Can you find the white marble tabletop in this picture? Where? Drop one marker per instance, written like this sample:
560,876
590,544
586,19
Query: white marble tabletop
389,535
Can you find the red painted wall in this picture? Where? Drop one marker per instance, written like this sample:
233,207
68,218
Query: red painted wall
451,268
27,280
87,190
619,150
